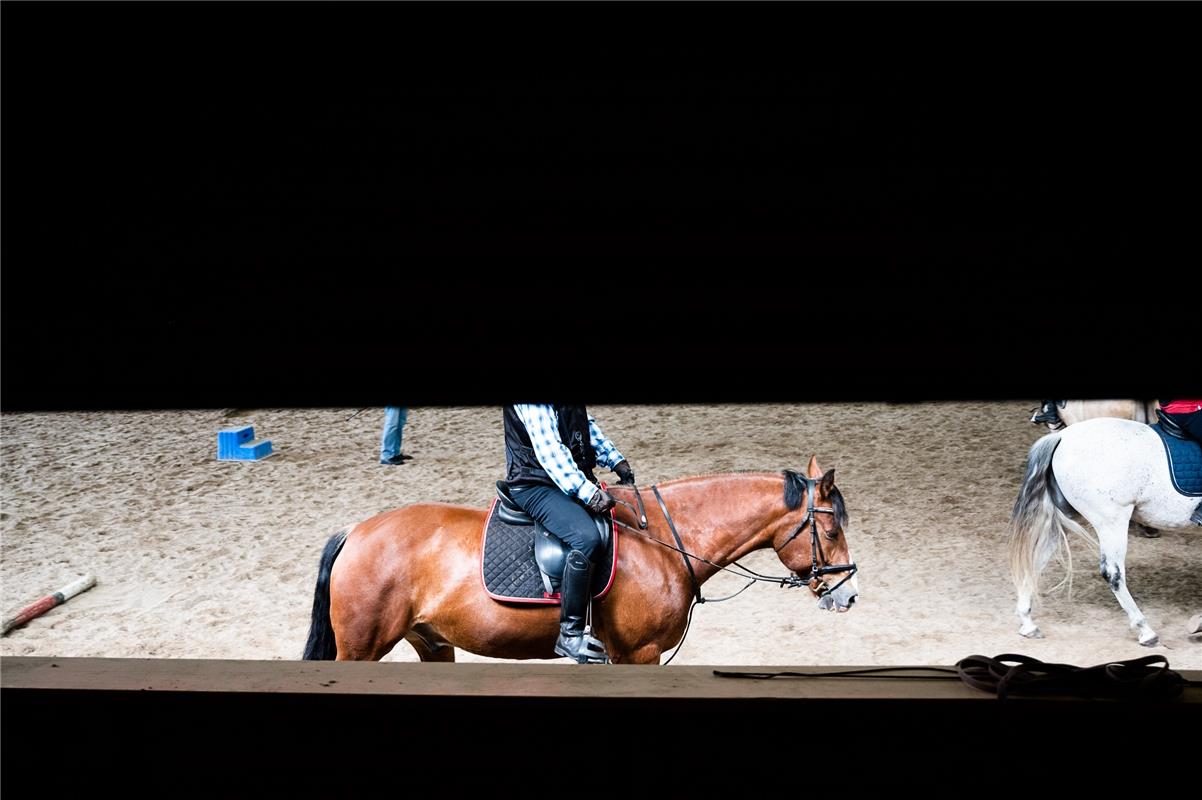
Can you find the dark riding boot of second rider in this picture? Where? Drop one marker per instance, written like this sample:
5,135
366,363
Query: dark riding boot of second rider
1048,415
574,591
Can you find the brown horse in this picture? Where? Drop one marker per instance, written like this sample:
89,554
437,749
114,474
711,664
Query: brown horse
414,573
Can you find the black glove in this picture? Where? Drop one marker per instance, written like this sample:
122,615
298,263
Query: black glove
600,502
625,473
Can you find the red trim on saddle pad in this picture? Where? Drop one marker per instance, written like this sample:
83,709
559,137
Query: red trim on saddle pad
545,600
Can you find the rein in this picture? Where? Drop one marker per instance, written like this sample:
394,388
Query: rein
791,581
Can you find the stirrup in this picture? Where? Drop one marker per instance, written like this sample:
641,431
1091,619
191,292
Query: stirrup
583,649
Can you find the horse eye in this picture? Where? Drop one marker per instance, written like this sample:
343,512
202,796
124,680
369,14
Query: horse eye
832,534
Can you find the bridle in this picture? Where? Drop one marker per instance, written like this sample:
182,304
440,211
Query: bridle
793,580
816,570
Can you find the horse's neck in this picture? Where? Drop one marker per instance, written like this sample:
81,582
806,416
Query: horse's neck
725,517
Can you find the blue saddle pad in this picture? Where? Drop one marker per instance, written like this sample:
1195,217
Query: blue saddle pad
1185,463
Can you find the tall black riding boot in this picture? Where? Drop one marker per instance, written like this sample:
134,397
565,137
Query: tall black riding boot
1048,415
574,592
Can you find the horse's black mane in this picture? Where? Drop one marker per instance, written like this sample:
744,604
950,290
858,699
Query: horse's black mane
795,488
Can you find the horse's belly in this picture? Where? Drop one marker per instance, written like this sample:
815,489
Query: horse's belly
1167,511
496,630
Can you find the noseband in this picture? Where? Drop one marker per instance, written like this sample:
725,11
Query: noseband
817,571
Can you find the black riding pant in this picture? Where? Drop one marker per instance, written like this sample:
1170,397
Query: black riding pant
561,515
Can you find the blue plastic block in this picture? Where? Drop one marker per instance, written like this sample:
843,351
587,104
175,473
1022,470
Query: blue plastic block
235,444
255,450
230,439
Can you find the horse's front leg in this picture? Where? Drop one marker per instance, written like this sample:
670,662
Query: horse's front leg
1112,540
652,642
639,640
648,654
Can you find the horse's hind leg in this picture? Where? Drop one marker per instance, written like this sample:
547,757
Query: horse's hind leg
364,646
426,651
1112,540
368,634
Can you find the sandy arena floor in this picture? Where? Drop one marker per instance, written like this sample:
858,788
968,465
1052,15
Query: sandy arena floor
197,558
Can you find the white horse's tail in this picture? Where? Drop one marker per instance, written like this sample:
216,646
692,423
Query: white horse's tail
1040,519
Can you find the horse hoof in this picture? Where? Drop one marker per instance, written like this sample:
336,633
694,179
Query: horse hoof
1150,533
1034,633
1153,642
1195,624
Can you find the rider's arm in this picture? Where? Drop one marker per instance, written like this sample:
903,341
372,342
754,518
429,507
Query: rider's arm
542,424
607,452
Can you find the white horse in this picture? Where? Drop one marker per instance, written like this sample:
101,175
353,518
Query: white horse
1108,471
1075,411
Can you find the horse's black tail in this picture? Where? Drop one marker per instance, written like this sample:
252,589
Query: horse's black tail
321,645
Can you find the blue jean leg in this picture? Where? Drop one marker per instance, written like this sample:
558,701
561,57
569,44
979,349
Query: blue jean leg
561,515
394,423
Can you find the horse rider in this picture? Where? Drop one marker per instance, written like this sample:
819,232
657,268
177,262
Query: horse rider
1187,414
1048,414
550,453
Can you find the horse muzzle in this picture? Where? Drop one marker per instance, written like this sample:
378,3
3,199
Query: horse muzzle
839,599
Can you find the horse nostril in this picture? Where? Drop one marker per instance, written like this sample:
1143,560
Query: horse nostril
851,601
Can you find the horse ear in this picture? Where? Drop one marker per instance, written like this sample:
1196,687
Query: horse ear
813,471
827,483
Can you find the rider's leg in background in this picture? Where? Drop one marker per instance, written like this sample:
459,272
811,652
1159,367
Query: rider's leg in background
1048,415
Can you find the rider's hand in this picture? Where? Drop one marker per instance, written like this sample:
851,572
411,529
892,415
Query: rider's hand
600,502
625,473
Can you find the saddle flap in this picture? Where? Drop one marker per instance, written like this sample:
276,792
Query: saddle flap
551,554
1169,426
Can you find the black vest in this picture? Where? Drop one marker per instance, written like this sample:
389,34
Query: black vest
521,465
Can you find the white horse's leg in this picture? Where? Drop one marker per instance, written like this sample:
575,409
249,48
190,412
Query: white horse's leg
1026,625
1112,540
